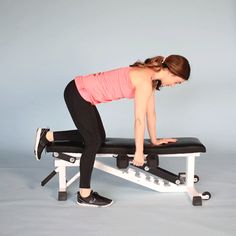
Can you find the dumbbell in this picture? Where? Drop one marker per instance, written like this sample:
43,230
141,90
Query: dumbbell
152,161
122,161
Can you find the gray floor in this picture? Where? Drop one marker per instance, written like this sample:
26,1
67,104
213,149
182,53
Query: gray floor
26,208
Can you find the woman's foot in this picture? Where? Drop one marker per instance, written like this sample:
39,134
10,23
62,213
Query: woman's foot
93,200
40,142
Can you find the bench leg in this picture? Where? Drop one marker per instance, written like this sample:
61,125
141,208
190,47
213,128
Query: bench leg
193,194
63,183
62,194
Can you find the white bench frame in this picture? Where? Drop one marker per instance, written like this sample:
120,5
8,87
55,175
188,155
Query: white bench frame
134,175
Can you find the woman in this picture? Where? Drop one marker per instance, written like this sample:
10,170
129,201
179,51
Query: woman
138,81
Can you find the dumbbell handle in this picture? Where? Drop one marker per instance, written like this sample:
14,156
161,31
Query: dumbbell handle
145,166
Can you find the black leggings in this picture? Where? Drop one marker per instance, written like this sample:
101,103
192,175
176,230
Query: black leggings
90,130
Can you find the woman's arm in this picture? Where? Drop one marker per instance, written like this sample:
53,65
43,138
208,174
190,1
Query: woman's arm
151,117
143,92
151,123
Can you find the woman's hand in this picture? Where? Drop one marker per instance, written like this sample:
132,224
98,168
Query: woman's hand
138,159
164,141
139,156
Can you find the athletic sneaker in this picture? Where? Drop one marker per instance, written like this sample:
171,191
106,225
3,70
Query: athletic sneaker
40,142
93,200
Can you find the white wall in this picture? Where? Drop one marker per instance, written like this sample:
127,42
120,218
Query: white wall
44,44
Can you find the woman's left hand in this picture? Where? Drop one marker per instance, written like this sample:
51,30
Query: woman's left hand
163,141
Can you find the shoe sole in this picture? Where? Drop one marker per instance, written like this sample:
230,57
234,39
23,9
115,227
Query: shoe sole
90,205
38,135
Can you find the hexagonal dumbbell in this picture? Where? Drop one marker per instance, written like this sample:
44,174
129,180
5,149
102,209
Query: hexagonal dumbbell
122,161
152,161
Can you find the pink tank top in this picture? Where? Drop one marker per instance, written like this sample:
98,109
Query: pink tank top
105,86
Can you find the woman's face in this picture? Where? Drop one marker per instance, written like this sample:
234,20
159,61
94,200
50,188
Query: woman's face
169,79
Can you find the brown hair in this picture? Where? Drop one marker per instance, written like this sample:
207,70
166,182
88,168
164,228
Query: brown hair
176,64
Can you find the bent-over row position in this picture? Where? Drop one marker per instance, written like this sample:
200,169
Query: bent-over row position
139,82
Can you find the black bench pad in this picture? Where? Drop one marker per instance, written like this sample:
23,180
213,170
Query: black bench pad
127,146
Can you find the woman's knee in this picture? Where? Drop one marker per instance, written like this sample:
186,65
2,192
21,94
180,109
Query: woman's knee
94,143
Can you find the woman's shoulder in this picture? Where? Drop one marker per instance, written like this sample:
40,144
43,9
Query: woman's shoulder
138,75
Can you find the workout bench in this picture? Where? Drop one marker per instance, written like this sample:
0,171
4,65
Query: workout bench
68,153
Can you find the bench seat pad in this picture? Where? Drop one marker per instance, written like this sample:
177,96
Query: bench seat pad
127,146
